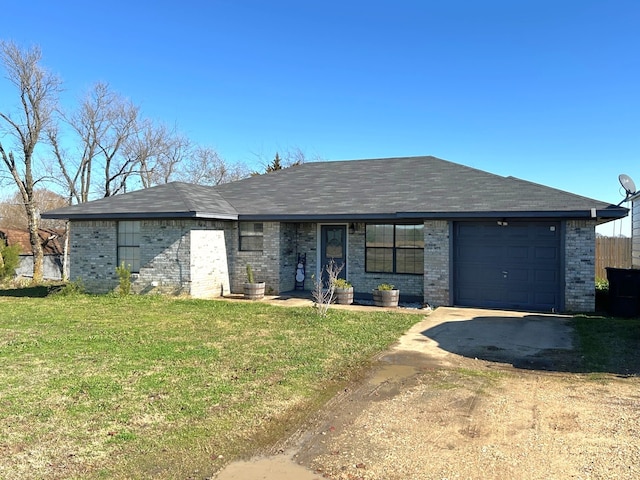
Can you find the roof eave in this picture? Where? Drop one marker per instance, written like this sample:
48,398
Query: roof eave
607,213
141,215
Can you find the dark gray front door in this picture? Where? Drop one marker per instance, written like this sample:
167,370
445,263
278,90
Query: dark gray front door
514,265
333,246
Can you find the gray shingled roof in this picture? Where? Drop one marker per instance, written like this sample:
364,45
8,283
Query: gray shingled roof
391,188
171,200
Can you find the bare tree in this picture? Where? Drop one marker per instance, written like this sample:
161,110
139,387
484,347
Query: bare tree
324,287
206,167
38,93
158,151
103,124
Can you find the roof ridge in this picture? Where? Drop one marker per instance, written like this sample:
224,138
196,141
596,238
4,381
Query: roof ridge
182,190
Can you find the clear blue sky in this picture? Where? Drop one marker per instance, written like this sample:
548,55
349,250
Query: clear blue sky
544,90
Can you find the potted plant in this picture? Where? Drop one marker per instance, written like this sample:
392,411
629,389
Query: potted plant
253,290
386,295
343,291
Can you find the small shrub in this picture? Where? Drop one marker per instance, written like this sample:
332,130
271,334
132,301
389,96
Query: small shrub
250,278
341,283
602,294
602,285
323,294
124,274
386,286
10,261
70,289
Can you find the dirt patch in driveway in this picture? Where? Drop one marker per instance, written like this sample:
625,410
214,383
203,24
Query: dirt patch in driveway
428,413
480,420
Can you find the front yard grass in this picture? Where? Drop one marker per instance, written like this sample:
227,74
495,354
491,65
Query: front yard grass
157,387
608,344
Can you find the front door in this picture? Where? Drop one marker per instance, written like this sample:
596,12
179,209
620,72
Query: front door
333,246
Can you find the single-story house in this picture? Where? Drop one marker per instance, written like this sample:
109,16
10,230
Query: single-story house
51,241
445,233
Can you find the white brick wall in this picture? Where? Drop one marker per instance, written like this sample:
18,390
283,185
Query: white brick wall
208,264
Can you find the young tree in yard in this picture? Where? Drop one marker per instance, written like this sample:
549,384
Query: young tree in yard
38,94
9,260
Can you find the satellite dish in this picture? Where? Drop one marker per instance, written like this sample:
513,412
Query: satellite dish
627,184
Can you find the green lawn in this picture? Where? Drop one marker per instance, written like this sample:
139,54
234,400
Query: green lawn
608,345
157,387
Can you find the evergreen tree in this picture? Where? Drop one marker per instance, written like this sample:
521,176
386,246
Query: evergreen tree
275,165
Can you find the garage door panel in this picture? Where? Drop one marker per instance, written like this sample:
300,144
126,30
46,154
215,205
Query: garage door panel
515,232
517,253
513,266
518,297
518,275
546,276
546,231
473,253
491,295
546,253
544,298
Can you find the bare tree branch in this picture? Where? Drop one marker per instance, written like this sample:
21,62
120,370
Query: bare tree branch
206,167
158,151
38,93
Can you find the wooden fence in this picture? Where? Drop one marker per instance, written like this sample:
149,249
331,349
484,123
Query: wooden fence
612,252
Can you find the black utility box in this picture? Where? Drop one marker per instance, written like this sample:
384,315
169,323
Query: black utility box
624,291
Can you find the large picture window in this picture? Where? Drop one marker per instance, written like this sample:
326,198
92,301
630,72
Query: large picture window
395,249
251,237
129,244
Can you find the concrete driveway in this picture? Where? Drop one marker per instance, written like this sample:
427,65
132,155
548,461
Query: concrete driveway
524,340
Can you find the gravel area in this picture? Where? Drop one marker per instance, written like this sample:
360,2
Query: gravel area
455,424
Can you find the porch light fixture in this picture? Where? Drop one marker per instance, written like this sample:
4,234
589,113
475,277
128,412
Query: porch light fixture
356,227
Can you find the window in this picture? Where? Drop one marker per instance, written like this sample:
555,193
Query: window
129,244
251,237
395,249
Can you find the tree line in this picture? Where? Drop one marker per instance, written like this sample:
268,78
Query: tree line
102,147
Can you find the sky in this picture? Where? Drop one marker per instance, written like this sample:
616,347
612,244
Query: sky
543,90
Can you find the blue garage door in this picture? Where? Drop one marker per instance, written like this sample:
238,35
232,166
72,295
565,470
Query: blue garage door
507,265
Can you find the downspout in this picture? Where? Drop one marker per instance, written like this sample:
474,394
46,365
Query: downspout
65,253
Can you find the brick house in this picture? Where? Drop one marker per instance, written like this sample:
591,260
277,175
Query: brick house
439,231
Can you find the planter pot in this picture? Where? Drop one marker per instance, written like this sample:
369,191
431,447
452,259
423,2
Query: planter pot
254,291
386,298
344,296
